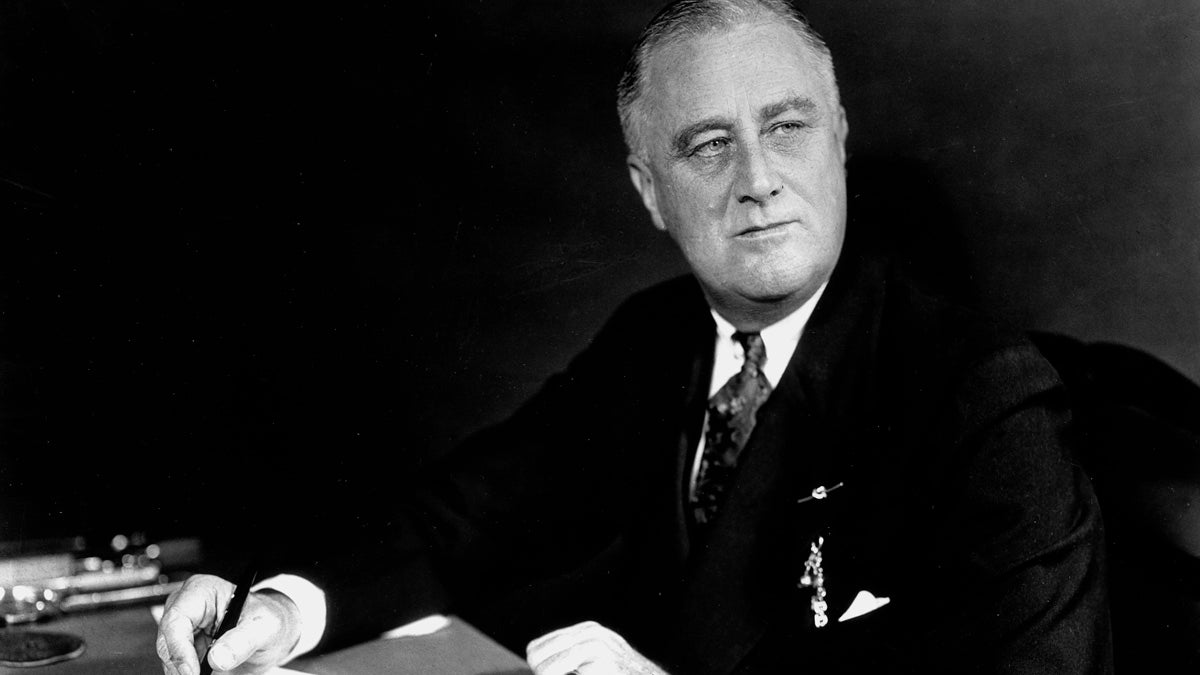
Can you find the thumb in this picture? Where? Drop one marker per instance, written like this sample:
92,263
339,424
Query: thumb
255,633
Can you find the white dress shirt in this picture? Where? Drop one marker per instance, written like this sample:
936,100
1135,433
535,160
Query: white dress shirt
780,340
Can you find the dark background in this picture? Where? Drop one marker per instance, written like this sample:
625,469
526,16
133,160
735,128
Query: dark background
290,251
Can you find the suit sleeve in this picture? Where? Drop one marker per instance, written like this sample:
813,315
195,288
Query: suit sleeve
1017,584
519,501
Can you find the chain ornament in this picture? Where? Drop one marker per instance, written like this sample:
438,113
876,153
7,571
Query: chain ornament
814,578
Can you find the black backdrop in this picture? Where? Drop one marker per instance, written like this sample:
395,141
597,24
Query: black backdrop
293,250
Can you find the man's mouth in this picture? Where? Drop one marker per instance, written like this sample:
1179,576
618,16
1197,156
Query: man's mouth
755,231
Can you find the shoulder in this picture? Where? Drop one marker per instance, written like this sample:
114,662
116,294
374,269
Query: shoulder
666,301
987,421
985,364
664,311
647,334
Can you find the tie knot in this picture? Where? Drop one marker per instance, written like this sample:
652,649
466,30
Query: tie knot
753,348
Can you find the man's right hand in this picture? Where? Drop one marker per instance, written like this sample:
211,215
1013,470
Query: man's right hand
264,637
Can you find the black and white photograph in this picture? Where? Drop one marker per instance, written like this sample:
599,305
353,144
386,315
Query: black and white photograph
645,337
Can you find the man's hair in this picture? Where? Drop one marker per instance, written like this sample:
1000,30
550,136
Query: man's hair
687,18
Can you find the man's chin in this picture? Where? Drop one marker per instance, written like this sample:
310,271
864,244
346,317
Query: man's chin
779,291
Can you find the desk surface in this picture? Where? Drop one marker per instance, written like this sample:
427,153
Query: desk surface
458,649
121,642
118,641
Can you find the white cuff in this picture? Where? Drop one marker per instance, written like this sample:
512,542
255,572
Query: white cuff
309,599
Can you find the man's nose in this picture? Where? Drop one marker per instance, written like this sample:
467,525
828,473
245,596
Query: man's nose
757,180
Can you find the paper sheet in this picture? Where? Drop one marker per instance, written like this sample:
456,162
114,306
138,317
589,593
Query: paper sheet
425,626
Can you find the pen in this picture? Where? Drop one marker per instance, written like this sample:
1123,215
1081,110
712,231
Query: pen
232,613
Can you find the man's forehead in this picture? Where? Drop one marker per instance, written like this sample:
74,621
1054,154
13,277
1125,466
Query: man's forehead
759,66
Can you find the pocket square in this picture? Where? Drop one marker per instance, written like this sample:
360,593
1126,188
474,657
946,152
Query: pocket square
864,603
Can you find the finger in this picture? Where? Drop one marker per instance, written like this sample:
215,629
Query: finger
553,636
563,639
174,644
595,652
190,609
168,665
164,655
589,654
255,632
606,668
168,668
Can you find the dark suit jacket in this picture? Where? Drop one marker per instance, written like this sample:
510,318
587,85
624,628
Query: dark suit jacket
960,502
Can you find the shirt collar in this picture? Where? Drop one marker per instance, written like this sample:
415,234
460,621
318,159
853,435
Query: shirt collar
780,338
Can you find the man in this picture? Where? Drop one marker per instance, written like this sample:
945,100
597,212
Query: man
792,462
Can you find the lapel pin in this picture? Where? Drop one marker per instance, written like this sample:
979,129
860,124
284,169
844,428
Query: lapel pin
820,492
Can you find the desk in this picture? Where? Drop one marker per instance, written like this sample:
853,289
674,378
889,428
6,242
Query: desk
458,649
121,642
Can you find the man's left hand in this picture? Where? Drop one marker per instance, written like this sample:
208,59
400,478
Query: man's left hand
587,649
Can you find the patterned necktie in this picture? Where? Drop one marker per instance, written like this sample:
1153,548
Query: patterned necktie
731,414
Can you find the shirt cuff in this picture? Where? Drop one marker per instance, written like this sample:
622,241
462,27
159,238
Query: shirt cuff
309,599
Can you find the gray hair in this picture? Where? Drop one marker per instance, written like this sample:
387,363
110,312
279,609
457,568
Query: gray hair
687,18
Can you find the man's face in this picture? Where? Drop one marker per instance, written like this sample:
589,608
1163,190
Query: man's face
745,150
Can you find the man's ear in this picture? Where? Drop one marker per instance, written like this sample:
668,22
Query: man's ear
842,131
643,182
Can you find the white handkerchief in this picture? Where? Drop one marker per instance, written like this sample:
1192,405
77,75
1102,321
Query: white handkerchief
864,603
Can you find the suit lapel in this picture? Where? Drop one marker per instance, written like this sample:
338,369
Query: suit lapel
695,402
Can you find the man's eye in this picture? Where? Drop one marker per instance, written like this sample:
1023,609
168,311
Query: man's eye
788,128
711,147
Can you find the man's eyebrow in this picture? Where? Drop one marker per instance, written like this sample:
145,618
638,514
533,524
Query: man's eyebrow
682,141
800,104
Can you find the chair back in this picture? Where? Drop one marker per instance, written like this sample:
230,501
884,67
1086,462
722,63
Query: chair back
1137,426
